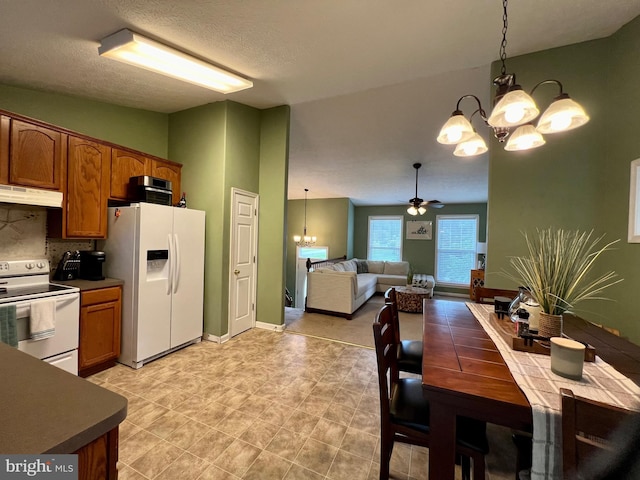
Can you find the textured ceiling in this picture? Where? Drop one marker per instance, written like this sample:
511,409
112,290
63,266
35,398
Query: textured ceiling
369,81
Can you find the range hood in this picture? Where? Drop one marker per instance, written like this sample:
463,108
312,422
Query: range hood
30,196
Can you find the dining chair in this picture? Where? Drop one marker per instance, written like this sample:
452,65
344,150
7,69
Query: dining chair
587,430
409,351
404,412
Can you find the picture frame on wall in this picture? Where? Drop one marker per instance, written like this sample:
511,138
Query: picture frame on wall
419,230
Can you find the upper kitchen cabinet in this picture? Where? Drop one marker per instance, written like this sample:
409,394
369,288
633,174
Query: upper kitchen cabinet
4,149
84,214
124,165
35,155
169,171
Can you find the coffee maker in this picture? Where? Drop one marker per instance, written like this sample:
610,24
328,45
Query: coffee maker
91,265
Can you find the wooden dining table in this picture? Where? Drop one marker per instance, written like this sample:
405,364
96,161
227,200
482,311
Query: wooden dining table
464,374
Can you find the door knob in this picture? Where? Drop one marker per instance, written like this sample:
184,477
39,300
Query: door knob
236,271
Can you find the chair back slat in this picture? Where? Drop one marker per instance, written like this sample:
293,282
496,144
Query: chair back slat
587,428
386,356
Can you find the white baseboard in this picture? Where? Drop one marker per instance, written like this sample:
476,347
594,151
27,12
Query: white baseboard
270,326
216,339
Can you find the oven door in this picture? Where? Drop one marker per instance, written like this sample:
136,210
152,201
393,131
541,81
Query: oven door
67,319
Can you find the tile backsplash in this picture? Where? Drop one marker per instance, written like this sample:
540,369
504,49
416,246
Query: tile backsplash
23,234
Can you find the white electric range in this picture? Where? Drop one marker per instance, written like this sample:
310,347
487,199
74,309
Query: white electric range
23,282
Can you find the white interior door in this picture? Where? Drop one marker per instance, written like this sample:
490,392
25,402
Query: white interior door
243,265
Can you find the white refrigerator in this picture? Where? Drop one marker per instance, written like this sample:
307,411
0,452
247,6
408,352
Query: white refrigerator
158,251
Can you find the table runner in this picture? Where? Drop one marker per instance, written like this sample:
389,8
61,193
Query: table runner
532,372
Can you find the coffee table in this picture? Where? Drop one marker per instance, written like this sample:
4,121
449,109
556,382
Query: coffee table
409,299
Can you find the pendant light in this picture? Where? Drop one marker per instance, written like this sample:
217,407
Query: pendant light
304,240
514,109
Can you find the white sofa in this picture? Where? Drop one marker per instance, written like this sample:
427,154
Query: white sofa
338,288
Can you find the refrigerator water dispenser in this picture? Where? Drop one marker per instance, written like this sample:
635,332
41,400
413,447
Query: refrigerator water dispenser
157,265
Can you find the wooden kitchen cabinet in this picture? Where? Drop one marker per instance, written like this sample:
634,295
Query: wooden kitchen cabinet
36,156
98,460
126,164
169,171
84,214
4,149
100,324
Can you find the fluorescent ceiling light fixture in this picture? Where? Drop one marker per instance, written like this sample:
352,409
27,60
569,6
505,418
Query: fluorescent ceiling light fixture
134,49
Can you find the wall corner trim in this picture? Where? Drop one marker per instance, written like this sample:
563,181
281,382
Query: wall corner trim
270,326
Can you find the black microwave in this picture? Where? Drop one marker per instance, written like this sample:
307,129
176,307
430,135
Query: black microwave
152,189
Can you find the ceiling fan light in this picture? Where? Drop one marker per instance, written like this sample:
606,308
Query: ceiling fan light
455,130
422,210
412,210
474,146
515,108
525,137
563,114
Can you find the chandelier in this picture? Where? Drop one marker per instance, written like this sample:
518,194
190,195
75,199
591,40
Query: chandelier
513,109
304,240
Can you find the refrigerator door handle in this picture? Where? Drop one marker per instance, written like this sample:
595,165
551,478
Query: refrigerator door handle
176,269
170,274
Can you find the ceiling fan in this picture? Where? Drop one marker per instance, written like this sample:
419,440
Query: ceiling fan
417,205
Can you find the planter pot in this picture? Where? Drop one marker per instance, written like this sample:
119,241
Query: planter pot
549,325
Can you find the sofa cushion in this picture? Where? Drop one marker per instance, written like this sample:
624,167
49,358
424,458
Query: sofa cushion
362,266
338,267
396,268
392,280
349,266
366,281
375,266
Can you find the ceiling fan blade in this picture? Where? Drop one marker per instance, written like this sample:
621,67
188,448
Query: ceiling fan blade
434,204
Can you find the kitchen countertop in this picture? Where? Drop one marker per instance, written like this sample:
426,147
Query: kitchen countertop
84,285
44,409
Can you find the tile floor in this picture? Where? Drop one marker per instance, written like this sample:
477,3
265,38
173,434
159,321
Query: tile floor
264,406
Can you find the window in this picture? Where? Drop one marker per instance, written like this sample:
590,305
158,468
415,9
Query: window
385,238
456,240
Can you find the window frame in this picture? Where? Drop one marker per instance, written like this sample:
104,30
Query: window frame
473,263
398,218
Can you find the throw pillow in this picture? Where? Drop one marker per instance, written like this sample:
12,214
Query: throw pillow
350,266
362,266
338,267
375,266
396,268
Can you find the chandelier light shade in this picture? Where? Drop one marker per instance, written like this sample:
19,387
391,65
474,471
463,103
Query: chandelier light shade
456,129
135,49
305,240
525,137
513,111
474,146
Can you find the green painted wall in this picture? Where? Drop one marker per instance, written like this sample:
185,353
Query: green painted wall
138,129
198,140
419,253
274,165
225,145
580,178
328,219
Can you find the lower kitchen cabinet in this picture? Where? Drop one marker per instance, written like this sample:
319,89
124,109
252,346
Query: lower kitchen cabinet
100,324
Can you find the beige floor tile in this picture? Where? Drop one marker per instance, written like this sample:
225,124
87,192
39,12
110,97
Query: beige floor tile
359,443
286,444
301,422
127,473
157,459
329,432
300,473
316,456
214,413
185,467
215,473
211,445
348,467
267,467
260,433
188,434
339,414
167,423
367,421
235,423
315,406
148,414
237,458
136,445
276,414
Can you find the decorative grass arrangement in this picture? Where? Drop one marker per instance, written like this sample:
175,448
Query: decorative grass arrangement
557,267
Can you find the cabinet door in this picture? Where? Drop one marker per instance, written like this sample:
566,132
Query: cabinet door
99,327
88,165
124,165
4,149
35,156
168,171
